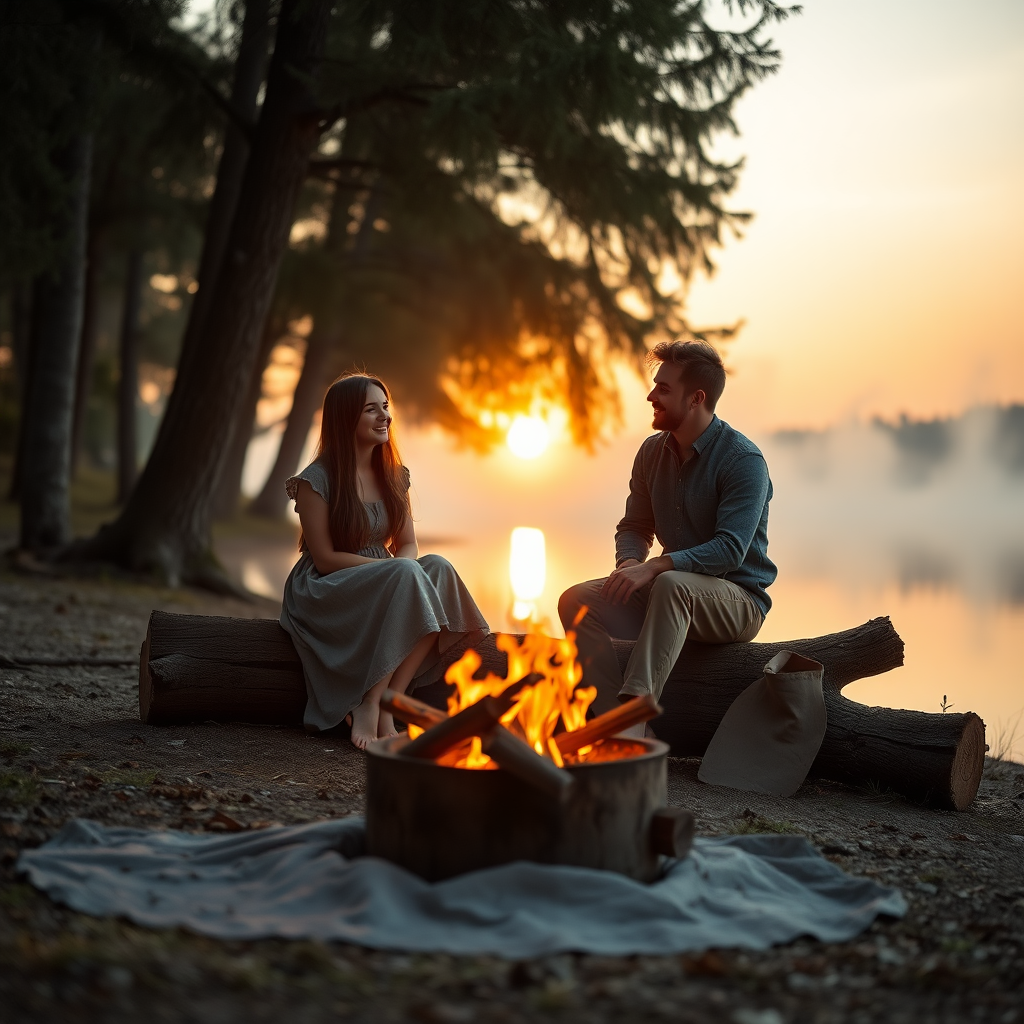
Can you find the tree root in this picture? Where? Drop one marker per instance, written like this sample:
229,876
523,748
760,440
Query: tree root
95,558
30,662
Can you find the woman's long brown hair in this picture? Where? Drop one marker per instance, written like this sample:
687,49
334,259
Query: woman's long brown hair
336,452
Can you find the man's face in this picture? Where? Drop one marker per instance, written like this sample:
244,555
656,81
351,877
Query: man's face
668,398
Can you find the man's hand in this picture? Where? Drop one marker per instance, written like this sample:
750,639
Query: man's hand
631,575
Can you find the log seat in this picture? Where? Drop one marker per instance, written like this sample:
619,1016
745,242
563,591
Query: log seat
201,668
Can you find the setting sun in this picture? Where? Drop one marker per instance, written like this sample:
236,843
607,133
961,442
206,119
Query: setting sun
528,437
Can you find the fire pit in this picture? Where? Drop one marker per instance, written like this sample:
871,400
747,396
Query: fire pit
439,821
493,782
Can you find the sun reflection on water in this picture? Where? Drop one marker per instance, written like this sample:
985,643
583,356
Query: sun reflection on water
527,569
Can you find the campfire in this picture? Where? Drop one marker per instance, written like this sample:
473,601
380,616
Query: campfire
514,771
538,696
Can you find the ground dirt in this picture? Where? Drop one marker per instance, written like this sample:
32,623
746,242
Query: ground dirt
72,745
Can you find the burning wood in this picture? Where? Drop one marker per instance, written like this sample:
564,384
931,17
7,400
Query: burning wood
633,712
410,710
519,759
506,750
540,688
471,723
510,722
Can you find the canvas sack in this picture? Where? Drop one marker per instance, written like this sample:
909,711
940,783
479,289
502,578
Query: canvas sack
769,737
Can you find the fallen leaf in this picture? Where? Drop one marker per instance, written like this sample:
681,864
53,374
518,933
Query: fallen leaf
224,822
709,964
835,850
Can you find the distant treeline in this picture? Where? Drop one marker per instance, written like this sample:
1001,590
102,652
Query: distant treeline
923,445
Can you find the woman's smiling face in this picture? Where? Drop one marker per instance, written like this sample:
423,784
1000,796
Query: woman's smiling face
375,419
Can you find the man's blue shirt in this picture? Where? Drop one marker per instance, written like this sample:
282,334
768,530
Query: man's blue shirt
709,513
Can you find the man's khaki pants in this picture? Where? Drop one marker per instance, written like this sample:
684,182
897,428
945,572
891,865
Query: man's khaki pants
659,617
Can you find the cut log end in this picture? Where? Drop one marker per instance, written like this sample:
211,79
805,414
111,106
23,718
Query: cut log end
145,679
968,764
672,830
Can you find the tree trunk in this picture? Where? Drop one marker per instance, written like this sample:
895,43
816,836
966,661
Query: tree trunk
21,322
128,385
229,487
165,526
49,408
321,346
86,345
196,667
250,68
271,502
21,328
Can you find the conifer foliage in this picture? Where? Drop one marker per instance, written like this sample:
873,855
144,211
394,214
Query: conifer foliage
525,189
550,160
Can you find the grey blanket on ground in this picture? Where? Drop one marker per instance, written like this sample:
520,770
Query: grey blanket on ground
311,881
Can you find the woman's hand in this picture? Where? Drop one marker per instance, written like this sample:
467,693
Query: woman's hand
316,531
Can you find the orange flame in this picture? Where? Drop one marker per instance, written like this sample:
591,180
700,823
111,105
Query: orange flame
537,708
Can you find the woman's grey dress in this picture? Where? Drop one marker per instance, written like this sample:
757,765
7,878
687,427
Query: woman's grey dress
355,626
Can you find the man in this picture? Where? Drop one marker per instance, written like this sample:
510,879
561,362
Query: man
702,489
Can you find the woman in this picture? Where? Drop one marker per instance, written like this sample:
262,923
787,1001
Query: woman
365,613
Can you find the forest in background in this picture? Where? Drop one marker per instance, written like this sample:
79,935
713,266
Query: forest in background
485,203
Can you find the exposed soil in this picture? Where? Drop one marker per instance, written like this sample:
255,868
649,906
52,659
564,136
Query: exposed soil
71,745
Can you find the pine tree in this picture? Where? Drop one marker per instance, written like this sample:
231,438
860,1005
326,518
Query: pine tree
569,143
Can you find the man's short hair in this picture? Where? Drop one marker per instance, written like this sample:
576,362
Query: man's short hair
701,367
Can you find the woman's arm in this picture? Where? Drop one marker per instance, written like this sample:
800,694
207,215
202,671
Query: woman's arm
314,516
406,541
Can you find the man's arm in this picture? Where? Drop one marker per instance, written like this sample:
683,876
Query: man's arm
635,532
739,511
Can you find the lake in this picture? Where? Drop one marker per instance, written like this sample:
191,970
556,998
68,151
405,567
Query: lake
918,521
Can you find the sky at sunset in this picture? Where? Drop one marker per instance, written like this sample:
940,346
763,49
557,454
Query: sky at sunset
884,269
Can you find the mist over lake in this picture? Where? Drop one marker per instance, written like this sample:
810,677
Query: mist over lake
918,520
920,504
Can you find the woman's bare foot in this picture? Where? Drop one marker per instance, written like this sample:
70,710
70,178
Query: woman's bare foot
364,723
386,726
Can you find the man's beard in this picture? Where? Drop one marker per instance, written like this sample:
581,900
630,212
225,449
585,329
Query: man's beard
664,420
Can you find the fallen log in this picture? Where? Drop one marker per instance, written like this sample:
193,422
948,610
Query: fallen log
204,667
933,758
195,668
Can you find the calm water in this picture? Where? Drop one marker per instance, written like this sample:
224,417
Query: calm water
922,525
